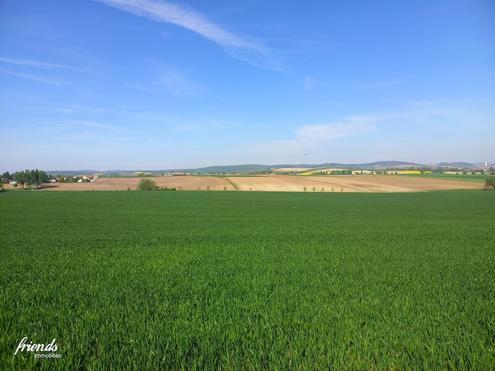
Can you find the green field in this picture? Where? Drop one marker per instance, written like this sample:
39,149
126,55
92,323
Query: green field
242,280
461,177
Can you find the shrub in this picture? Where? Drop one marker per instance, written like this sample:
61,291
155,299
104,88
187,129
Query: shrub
147,185
490,183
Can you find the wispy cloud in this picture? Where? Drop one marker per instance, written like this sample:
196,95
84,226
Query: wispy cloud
237,46
93,124
310,137
42,79
37,64
171,80
315,134
83,109
177,83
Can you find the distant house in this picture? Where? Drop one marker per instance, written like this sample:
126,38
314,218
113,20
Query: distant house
357,172
407,172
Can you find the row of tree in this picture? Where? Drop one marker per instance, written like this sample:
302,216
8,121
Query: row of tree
7,177
27,177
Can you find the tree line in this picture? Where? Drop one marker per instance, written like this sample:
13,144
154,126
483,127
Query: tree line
27,177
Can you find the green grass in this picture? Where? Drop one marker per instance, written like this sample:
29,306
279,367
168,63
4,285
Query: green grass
242,280
463,177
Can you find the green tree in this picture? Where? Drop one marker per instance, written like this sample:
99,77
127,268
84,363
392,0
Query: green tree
147,185
31,177
490,183
6,177
20,178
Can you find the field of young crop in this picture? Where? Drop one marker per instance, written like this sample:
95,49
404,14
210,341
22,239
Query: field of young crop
460,177
243,280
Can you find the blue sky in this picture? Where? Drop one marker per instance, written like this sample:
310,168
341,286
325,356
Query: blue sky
154,84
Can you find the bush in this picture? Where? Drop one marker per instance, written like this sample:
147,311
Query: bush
490,183
147,185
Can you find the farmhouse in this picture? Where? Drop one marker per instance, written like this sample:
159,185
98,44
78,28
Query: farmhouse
357,172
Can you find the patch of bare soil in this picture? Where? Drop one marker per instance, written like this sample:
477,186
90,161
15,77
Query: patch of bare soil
348,183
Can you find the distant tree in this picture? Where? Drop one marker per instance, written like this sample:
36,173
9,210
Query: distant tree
31,177
1,187
147,185
37,178
490,183
6,177
20,178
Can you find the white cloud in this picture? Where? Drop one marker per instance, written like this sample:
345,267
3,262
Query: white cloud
235,45
314,134
93,124
42,79
183,17
313,137
36,64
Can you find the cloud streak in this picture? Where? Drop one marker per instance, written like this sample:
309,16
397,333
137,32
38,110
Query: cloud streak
312,137
93,124
37,64
238,47
44,80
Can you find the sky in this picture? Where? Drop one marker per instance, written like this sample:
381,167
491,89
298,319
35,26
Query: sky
156,84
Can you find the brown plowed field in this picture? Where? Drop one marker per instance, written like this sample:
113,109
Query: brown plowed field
121,184
286,183
349,183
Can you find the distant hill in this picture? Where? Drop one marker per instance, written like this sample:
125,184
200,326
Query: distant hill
72,172
457,165
260,168
253,168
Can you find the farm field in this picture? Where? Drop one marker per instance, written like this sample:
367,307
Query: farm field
287,183
187,183
249,280
460,177
348,183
